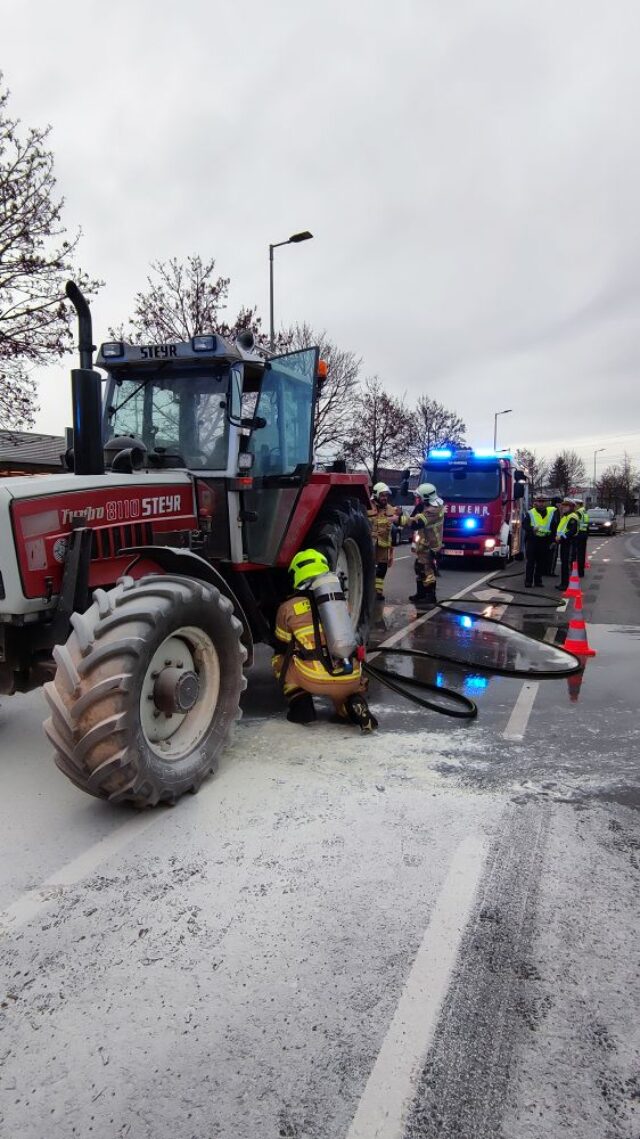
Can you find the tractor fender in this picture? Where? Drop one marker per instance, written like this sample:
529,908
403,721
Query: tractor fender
188,564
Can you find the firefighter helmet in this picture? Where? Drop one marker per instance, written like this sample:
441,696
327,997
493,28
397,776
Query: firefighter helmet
306,565
381,488
425,490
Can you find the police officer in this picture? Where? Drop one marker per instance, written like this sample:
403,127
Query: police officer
583,533
304,666
427,523
539,530
381,518
553,548
566,534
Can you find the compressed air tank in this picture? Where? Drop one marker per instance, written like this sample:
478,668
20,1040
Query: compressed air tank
334,616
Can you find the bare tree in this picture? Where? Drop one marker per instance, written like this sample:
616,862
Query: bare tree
35,261
537,468
335,404
616,486
566,471
380,431
433,425
182,301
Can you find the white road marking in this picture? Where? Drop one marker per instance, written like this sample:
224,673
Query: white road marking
33,902
392,1082
517,722
427,616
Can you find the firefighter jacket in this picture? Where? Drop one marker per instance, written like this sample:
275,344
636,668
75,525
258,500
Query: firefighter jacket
381,519
568,526
428,525
540,523
305,667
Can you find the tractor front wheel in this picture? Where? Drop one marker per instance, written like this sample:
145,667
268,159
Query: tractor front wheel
147,689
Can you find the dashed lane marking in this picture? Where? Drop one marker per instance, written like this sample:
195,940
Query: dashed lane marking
33,902
381,1113
523,707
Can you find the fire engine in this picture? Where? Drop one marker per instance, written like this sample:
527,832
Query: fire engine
136,582
484,495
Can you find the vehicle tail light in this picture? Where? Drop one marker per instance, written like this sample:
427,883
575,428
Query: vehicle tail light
206,505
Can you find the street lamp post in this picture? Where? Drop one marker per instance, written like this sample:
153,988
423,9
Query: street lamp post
293,240
595,493
506,411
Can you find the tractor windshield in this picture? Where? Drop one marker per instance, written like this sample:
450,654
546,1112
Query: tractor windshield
180,414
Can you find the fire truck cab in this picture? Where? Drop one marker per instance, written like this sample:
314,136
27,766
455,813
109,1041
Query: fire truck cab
484,495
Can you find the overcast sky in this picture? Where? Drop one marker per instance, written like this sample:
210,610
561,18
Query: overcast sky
469,170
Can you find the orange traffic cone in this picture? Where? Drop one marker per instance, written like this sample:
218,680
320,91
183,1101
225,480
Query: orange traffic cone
576,641
573,589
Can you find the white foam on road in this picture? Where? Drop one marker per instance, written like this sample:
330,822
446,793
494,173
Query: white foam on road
32,902
389,1091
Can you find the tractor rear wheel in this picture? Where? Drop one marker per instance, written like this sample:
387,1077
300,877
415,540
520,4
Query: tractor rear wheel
343,534
147,689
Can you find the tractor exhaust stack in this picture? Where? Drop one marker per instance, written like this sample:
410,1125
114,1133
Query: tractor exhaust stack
86,394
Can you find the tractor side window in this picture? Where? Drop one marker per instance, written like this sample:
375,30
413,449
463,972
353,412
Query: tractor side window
285,403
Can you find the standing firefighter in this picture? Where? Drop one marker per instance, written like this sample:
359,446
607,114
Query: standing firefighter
381,518
427,522
319,655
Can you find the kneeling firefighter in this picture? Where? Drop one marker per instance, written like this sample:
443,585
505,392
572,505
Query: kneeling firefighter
427,523
320,656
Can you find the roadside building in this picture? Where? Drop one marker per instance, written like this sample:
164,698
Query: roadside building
28,453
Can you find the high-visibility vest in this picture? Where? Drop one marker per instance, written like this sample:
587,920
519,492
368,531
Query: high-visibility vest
541,523
564,522
583,519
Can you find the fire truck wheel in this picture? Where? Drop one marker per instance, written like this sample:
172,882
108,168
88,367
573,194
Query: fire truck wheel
342,532
147,689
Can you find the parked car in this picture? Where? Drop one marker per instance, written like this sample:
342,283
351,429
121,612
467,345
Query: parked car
602,521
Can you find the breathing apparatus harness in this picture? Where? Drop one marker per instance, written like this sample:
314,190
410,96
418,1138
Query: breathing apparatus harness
464,708
329,614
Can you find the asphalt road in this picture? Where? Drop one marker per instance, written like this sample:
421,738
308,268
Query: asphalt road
429,932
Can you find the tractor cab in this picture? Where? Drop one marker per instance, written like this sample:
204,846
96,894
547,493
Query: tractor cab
240,423
209,405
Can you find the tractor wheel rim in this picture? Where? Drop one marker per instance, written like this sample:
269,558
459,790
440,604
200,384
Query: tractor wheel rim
175,735
349,570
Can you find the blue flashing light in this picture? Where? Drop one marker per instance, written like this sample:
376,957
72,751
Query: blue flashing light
439,680
487,453
476,683
466,622
470,524
440,454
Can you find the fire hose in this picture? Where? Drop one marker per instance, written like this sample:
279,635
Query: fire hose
463,708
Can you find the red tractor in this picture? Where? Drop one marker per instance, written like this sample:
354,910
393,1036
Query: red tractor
140,579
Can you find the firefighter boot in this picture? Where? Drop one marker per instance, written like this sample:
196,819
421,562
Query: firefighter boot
301,708
429,598
360,713
420,593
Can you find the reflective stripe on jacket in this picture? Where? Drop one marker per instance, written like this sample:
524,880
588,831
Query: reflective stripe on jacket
431,526
564,524
583,519
380,521
541,523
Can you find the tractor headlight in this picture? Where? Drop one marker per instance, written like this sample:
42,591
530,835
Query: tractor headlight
112,350
203,343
